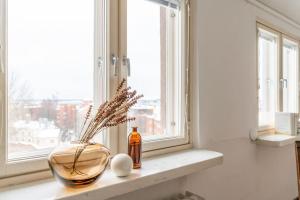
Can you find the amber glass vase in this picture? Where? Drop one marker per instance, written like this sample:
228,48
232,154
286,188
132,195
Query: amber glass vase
79,164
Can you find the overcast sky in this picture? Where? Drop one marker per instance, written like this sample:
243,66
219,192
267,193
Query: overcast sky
50,47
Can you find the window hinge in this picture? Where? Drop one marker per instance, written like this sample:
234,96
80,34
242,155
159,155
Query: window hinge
187,126
188,5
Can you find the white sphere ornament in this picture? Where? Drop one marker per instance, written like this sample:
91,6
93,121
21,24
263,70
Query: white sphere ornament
121,164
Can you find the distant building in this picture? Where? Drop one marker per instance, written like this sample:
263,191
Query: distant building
38,134
66,116
147,114
40,124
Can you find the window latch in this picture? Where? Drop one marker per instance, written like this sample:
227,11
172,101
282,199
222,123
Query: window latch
114,62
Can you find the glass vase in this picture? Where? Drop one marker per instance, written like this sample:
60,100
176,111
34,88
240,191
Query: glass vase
78,164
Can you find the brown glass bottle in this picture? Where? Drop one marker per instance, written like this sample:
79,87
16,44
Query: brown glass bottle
135,148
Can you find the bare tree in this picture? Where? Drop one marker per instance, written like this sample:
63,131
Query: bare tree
18,89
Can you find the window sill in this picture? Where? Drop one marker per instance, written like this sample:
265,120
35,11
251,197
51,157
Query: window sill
155,170
276,140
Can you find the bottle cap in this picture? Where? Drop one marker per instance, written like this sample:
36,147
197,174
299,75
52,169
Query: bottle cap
134,129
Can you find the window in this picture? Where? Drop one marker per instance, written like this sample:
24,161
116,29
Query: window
157,69
48,91
290,71
56,61
278,78
49,58
154,50
267,76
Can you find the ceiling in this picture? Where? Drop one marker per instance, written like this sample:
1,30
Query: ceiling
288,8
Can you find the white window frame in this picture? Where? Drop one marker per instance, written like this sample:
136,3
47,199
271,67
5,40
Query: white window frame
120,49
105,81
280,34
39,162
296,43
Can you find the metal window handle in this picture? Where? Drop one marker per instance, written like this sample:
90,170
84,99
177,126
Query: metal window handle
283,83
100,62
114,62
126,61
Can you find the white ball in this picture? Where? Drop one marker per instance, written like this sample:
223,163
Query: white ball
121,164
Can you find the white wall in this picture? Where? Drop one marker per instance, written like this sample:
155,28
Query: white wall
225,80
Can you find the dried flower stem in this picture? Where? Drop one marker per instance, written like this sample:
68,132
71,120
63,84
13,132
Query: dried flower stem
110,113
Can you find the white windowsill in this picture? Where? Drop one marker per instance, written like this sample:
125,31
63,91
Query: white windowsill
276,139
154,170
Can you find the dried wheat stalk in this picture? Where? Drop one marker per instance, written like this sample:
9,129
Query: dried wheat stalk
110,113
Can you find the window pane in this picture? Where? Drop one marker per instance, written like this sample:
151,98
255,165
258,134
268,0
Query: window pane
290,76
148,37
267,72
50,72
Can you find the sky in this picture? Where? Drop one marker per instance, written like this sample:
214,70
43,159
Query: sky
143,46
50,47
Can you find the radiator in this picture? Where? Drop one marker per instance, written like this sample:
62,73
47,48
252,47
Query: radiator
186,196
